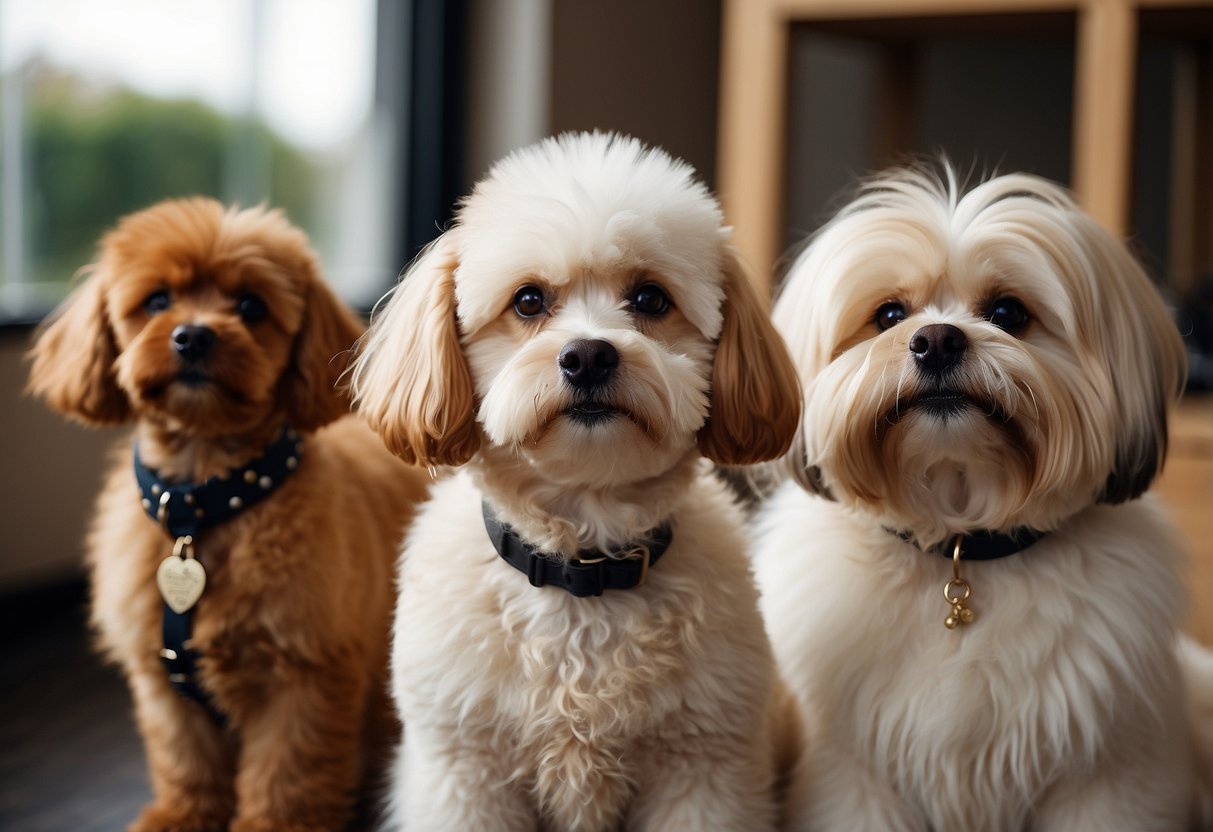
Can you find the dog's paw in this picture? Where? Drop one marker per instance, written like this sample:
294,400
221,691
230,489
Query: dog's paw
161,818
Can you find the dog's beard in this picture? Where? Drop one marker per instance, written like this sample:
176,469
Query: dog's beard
633,427
1009,438
228,391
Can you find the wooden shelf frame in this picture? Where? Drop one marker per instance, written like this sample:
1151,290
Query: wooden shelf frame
752,156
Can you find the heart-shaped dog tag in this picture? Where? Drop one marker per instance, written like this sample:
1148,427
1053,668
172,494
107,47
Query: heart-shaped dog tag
181,581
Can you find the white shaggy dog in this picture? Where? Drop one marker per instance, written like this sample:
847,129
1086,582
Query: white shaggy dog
983,362
581,337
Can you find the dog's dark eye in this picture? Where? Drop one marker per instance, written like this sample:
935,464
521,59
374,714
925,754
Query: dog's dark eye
649,299
251,308
528,301
157,302
1008,313
889,315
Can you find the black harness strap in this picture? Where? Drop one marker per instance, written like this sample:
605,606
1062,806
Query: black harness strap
188,508
180,661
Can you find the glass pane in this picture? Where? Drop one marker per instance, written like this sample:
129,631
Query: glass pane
107,107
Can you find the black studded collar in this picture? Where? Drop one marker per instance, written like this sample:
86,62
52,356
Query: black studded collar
187,508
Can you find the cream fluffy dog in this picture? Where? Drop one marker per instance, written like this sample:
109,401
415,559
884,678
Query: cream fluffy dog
581,337
990,361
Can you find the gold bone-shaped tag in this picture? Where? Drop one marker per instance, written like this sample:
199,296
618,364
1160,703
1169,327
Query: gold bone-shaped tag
181,581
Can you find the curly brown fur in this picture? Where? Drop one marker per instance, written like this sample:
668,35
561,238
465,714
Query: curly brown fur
293,625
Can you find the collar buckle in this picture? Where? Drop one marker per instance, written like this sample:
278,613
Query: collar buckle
587,561
584,577
587,576
641,551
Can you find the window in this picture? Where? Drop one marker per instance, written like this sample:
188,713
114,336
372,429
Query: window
107,107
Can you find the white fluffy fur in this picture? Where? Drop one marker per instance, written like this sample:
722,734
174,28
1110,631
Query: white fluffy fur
529,708
1061,706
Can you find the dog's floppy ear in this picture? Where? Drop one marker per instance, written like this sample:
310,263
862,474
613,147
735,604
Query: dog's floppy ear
73,359
310,388
410,380
755,408
1146,360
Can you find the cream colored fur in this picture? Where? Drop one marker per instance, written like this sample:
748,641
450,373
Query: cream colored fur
1062,705
526,707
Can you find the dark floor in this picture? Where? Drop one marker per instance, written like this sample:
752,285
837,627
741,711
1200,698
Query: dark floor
69,755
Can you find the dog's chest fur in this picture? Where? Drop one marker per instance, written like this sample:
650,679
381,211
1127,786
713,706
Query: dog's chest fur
576,695
1066,662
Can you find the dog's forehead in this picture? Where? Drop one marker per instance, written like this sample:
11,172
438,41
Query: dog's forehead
575,207
199,251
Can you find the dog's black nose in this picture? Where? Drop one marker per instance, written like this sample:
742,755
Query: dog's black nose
587,363
938,347
192,342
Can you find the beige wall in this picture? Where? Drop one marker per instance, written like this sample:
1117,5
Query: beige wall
50,471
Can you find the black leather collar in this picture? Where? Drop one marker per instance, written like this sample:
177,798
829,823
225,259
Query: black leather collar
185,509
980,545
591,572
